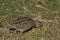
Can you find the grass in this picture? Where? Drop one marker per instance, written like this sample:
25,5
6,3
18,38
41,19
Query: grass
47,10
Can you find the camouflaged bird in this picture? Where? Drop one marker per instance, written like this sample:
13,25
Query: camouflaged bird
23,24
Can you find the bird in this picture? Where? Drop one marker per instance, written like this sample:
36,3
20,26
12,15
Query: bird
23,24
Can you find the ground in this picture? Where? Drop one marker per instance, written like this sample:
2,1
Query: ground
46,11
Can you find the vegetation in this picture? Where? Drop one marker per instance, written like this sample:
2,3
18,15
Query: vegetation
46,11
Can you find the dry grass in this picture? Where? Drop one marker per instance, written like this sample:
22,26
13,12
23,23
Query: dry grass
46,11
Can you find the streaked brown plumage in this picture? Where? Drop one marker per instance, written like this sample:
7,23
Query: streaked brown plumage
23,24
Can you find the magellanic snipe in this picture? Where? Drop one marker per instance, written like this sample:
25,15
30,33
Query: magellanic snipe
23,24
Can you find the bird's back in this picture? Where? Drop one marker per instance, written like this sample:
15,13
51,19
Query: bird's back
23,24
